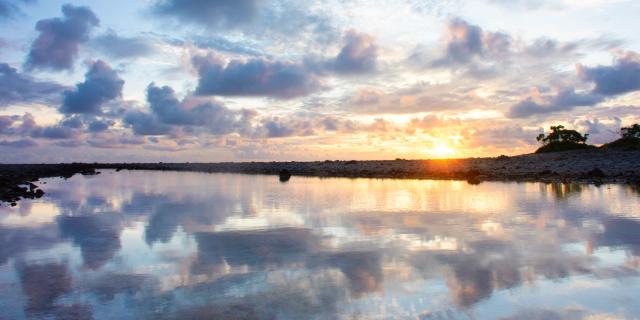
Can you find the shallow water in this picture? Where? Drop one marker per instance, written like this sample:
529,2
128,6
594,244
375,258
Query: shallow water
155,245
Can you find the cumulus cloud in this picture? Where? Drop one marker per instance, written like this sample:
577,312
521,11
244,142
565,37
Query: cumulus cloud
20,88
118,47
609,81
563,101
145,124
101,85
622,77
359,55
255,77
100,125
58,43
169,113
465,41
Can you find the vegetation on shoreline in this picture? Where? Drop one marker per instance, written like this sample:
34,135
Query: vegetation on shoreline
561,139
630,139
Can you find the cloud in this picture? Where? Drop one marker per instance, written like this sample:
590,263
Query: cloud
57,45
301,125
98,236
99,126
55,132
272,19
620,78
22,143
465,41
21,88
544,47
9,8
563,101
118,47
255,249
169,113
609,81
525,4
255,77
215,14
359,55
101,85
43,284
145,124
72,122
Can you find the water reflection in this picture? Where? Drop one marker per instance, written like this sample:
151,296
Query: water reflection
154,245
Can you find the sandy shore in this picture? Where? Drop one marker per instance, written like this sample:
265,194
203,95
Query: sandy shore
584,166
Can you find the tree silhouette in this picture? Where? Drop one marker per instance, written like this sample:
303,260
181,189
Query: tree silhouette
632,131
559,134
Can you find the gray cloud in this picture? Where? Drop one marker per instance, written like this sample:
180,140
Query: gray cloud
265,18
168,111
22,143
10,8
57,45
101,85
609,81
72,122
56,132
255,77
21,88
145,124
216,117
563,101
303,125
118,47
223,14
622,77
99,125
466,41
359,55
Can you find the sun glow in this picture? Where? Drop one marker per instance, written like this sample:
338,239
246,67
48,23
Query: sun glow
442,150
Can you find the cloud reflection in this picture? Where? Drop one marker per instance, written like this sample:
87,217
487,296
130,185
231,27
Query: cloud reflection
234,246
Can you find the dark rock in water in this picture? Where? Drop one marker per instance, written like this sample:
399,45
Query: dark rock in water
474,181
473,177
285,175
596,173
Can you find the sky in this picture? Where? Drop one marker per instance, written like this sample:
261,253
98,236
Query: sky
254,80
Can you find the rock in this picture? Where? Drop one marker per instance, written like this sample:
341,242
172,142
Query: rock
596,173
285,175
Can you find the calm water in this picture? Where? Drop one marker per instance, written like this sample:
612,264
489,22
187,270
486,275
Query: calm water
155,245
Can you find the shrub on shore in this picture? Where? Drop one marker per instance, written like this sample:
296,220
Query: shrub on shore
561,139
629,140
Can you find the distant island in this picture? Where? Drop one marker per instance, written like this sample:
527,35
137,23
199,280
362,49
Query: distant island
565,157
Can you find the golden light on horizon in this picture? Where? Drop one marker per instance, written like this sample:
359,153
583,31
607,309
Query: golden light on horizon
442,149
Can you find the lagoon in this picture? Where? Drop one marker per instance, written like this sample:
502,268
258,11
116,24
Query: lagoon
185,245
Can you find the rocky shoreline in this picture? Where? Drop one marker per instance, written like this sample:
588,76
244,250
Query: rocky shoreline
580,166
